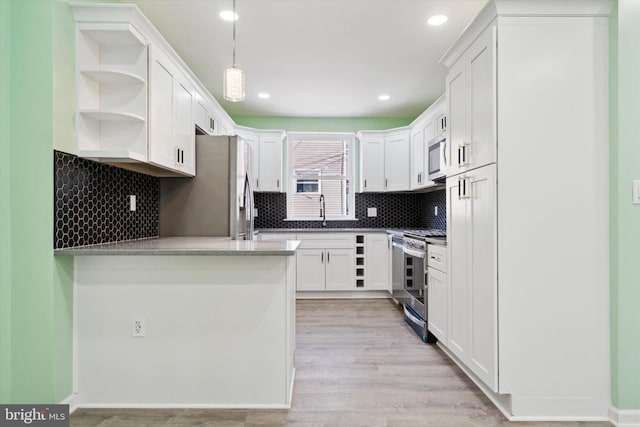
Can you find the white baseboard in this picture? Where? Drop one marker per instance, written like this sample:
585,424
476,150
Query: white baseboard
501,401
624,417
71,401
342,294
505,402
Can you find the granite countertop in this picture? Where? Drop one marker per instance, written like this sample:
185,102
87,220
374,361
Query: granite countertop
216,246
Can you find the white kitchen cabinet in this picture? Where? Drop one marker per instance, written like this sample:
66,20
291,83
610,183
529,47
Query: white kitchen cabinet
277,236
385,162
111,76
325,262
138,102
339,274
471,91
270,162
372,160
325,269
376,261
471,238
310,267
527,285
171,130
203,116
423,130
396,161
418,152
421,135
266,158
438,307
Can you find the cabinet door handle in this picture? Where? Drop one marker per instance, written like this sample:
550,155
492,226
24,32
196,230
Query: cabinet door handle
257,183
459,155
277,183
460,181
322,257
386,183
328,257
182,157
178,156
365,183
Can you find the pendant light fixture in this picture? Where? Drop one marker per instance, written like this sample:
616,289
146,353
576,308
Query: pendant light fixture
234,76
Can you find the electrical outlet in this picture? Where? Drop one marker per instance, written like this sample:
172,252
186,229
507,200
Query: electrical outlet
255,212
435,211
138,328
636,192
132,202
372,212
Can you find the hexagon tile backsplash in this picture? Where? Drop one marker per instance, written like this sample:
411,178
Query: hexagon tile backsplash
92,203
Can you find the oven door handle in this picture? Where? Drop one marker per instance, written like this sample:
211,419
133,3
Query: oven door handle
413,318
413,252
397,245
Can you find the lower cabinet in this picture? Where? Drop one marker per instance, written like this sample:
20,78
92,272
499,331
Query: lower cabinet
372,262
437,309
472,272
340,261
325,269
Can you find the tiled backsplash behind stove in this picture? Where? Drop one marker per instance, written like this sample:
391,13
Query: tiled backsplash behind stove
401,210
92,203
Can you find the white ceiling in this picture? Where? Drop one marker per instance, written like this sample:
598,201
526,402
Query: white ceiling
318,58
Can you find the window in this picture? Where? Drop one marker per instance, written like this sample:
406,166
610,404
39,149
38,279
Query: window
320,164
306,181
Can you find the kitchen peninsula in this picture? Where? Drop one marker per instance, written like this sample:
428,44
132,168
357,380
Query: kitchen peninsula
193,322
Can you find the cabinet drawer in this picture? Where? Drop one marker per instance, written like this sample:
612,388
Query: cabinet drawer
277,236
437,257
326,240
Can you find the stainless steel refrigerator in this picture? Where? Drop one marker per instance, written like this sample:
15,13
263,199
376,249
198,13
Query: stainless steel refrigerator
218,201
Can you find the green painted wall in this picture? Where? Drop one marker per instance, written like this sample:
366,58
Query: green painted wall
625,217
36,114
322,124
5,212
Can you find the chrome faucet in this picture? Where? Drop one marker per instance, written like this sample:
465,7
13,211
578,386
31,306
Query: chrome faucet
323,211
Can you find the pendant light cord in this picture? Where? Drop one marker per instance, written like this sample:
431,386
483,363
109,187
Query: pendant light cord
234,33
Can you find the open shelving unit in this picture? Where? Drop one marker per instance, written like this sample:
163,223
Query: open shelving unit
112,78
360,261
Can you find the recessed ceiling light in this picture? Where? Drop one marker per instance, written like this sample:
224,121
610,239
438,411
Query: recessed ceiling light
264,95
384,97
437,20
228,15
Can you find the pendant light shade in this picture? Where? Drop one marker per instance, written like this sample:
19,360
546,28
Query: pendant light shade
234,76
233,84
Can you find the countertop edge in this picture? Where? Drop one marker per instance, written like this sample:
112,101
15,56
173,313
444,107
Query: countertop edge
172,252
185,247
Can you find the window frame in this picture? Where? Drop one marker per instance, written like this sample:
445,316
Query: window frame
349,138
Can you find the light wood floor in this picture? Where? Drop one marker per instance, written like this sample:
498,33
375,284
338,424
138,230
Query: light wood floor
357,364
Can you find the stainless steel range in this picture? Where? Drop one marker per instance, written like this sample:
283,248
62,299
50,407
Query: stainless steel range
414,295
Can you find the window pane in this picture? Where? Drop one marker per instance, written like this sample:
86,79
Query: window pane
337,198
323,157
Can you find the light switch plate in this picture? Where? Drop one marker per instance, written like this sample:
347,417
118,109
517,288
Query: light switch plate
636,191
132,202
372,212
